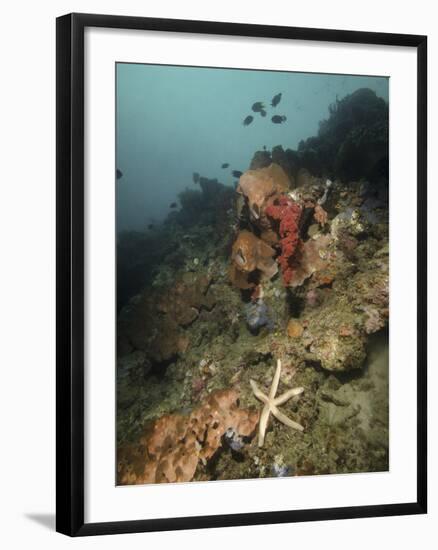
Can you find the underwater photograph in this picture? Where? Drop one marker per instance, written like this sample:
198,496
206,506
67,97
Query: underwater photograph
252,246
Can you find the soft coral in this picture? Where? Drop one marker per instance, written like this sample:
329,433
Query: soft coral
288,213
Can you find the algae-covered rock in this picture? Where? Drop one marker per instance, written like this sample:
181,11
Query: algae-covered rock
353,141
335,353
154,321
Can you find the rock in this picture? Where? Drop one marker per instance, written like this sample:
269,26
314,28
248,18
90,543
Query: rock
353,142
335,353
134,361
312,257
155,320
261,159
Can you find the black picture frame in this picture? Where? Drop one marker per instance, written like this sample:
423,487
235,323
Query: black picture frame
70,273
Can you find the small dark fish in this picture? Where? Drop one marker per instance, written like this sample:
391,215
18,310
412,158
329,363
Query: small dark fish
263,113
151,226
225,165
173,205
195,177
119,174
278,119
248,120
276,100
237,173
258,106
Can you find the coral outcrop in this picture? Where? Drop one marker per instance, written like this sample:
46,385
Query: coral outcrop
170,449
154,322
353,142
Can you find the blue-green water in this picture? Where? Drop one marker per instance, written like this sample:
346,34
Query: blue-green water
173,121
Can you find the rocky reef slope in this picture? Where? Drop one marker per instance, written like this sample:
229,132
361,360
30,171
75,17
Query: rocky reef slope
291,265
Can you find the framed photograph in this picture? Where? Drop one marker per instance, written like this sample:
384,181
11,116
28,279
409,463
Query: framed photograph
241,274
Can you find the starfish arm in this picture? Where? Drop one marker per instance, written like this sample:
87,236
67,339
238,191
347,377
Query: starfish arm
285,420
287,395
275,381
257,392
263,424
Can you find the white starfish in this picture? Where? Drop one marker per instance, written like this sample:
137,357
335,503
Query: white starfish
271,403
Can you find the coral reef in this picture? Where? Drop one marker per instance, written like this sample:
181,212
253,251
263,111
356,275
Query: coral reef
202,311
353,142
154,321
170,449
207,206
